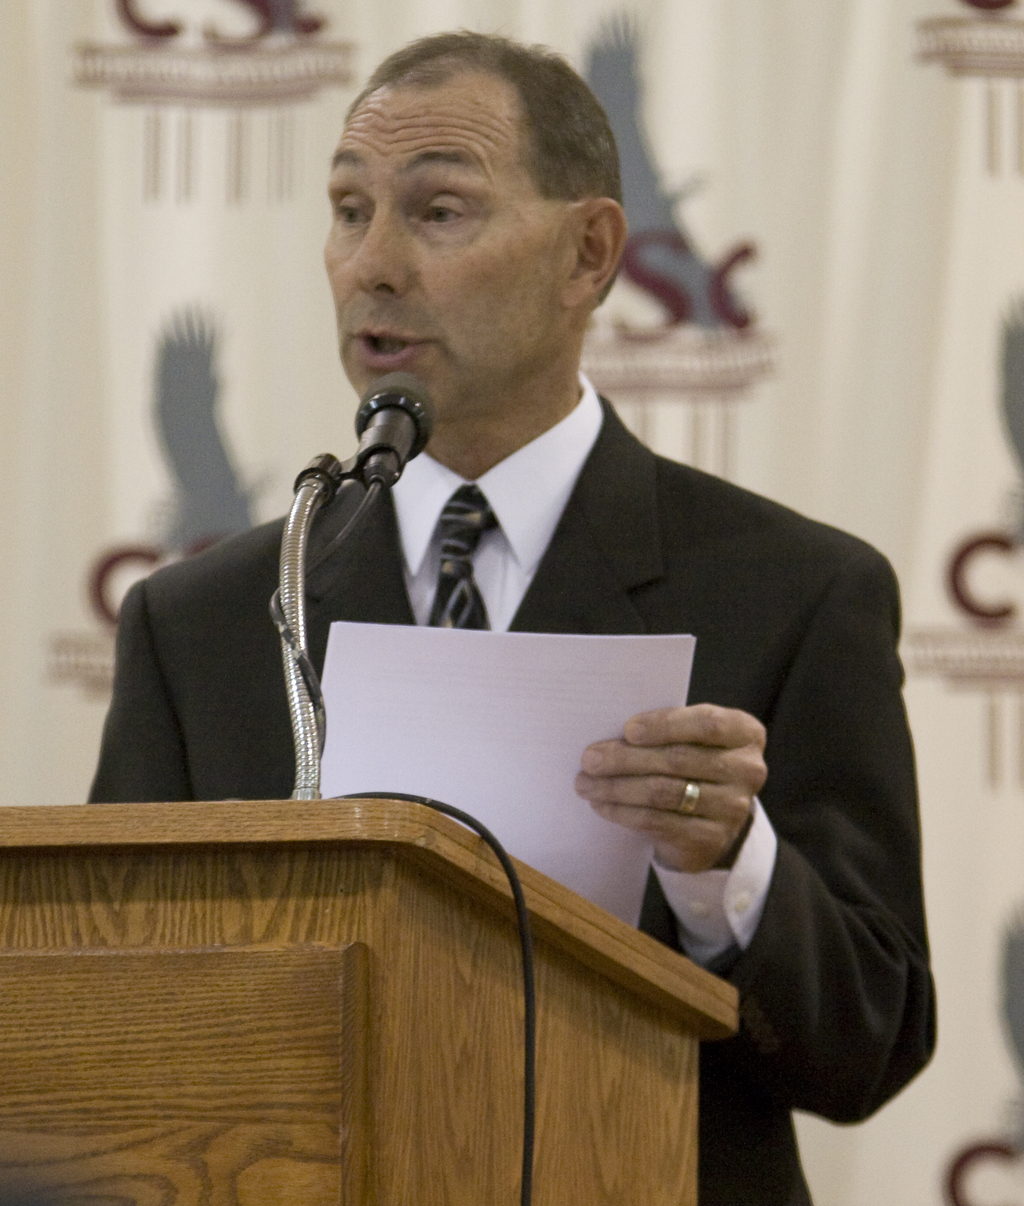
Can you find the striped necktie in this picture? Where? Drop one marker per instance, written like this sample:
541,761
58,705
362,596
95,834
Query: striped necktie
458,602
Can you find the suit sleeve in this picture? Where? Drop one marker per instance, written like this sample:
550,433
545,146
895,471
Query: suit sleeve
836,998
142,754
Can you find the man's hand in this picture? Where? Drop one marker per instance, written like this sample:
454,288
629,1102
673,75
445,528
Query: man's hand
640,781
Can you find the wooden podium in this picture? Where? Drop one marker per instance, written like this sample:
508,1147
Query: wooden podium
303,1004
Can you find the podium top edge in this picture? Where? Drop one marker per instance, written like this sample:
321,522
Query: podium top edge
602,941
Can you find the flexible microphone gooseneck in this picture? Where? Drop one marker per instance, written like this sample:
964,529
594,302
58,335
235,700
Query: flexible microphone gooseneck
393,423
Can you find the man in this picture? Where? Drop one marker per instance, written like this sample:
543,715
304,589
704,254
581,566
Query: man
476,225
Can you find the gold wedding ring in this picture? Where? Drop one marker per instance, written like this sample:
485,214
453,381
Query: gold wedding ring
691,798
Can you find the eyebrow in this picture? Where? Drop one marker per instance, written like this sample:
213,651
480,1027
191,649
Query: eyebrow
454,157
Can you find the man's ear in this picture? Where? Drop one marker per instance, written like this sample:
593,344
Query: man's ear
599,233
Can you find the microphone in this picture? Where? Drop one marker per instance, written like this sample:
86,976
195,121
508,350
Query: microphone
393,424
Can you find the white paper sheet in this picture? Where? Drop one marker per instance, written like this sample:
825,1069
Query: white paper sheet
495,724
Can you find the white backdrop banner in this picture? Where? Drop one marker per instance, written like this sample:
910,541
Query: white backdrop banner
828,270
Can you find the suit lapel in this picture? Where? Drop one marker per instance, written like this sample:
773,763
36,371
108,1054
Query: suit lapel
362,581
606,544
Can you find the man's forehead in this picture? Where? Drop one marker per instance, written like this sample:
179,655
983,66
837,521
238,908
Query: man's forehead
470,118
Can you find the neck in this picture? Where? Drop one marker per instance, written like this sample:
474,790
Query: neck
474,443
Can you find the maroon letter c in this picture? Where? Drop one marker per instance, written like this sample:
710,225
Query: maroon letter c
956,578
963,1164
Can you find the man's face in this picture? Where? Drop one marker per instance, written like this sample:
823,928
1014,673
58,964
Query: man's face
443,258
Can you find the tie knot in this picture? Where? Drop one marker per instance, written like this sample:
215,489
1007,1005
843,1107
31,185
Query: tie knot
465,518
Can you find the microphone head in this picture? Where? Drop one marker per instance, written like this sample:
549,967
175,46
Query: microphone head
407,393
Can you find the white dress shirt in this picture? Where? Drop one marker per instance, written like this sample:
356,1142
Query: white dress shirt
528,490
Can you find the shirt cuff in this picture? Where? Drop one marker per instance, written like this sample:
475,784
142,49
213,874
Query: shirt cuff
716,910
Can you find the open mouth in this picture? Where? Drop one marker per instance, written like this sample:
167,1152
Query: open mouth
386,344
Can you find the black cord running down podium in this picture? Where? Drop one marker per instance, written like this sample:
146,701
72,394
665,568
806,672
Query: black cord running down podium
526,947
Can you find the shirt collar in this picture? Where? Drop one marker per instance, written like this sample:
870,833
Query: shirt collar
527,490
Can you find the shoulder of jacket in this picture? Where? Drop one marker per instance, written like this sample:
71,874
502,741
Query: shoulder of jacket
248,562
704,506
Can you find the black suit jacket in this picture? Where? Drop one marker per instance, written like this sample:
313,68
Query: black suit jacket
796,623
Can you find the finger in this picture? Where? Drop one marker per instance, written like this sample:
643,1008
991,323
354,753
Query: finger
699,724
656,793
743,767
661,825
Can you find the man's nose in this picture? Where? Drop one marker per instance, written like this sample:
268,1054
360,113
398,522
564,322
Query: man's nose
383,260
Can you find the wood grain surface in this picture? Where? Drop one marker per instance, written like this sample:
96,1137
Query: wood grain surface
181,1076
429,1108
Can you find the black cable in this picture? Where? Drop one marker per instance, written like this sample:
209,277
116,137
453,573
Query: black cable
335,542
526,948
304,665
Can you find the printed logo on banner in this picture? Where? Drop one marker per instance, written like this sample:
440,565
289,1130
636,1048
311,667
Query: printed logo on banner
178,69
705,350
215,93
988,46
987,654
209,502
1008,541
998,1151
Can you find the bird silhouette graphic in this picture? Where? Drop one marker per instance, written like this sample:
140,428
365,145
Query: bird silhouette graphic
660,256
1013,393
210,503
1013,993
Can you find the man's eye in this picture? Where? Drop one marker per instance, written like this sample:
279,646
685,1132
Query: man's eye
440,213
347,213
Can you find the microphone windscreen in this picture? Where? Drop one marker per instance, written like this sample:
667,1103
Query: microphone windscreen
408,393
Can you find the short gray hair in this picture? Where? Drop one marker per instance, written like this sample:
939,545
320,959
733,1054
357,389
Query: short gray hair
571,148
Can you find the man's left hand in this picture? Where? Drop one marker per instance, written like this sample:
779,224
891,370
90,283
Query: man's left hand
640,781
